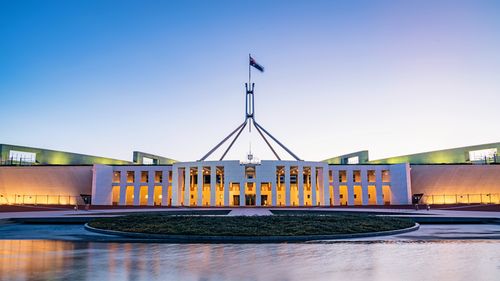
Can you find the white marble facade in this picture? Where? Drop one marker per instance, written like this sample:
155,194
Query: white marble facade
268,183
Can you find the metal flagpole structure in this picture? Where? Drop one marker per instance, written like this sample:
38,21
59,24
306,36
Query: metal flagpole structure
249,119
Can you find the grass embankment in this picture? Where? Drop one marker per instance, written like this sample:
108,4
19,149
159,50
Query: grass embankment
281,225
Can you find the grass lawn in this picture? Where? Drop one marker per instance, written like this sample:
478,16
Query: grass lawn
280,225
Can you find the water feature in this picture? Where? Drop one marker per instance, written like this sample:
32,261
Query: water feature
362,260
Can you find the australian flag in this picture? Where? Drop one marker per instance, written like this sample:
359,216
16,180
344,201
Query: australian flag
256,65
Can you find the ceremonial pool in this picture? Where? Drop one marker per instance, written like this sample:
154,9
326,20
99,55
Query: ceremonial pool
361,260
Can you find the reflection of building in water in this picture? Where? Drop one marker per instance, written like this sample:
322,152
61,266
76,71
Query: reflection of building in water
34,259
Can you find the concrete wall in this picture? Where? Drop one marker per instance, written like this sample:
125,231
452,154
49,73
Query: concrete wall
462,183
44,184
102,176
401,184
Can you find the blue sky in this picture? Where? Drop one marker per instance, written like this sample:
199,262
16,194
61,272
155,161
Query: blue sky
166,77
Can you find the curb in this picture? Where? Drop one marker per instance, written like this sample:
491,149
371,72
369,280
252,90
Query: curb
245,239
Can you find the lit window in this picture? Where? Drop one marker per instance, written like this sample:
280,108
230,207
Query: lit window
342,176
144,176
22,156
130,176
353,160
116,176
158,176
371,176
386,176
250,172
483,154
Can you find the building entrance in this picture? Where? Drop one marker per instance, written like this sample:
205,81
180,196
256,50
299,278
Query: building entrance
263,200
250,200
236,200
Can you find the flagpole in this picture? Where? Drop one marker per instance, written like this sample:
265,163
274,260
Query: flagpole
249,70
249,87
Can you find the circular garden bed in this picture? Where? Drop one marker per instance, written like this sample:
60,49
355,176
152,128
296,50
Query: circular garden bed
276,228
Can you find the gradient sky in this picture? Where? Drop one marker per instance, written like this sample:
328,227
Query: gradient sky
166,77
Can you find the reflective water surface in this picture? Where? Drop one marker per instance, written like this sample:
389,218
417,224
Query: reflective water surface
60,260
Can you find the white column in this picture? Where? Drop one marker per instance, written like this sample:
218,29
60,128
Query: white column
164,188
364,187
300,184
123,188
213,185
336,195
151,194
325,188
137,194
151,188
350,188
313,186
336,188
378,186
176,185
242,192
226,189
287,185
200,186
257,194
123,194
187,186
274,194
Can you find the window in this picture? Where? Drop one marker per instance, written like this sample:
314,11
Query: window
144,176
148,161
371,176
356,176
206,179
342,176
117,176
353,160
483,154
294,171
130,176
22,156
158,176
250,172
386,176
